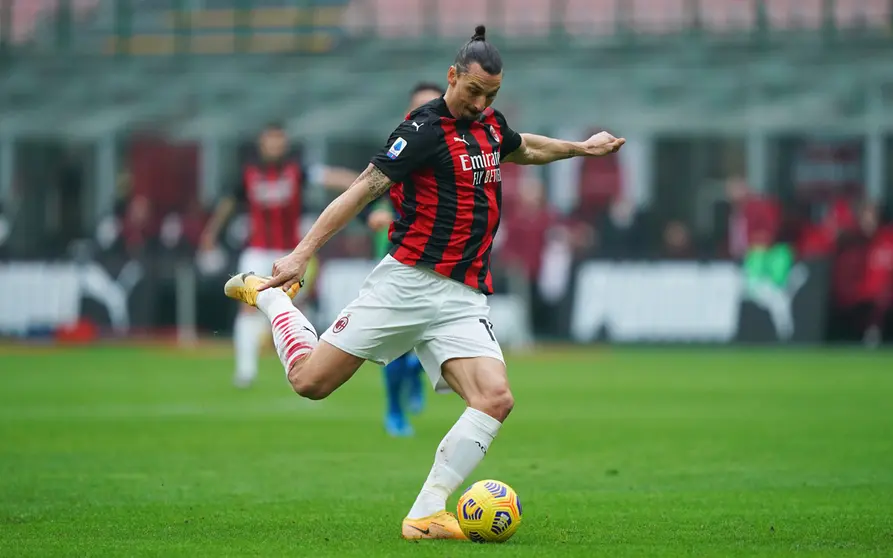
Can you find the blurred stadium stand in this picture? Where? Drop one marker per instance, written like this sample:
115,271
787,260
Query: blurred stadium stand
716,63
517,19
794,98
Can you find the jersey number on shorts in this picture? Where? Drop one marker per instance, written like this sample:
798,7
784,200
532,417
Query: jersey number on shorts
489,327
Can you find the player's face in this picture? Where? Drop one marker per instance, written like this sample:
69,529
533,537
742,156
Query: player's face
868,218
273,144
422,97
473,91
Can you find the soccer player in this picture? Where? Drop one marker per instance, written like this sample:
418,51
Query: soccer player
272,184
403,375
442,168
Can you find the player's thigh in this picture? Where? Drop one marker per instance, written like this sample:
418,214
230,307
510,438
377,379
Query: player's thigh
460,352
388,317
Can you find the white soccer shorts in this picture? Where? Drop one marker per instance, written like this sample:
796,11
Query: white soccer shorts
401,307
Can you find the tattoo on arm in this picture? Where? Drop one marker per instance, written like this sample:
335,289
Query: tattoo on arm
368,186
376,182
569,152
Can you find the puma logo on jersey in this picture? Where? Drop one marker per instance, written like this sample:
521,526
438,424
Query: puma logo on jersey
460,139
417,125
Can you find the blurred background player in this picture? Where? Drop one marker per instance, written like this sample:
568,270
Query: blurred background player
403,376
272,184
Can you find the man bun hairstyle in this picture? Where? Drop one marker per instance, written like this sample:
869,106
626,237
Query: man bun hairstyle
478,50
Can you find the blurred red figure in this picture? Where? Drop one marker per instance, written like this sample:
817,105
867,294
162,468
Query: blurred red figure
820,239
877,283
862,282
524,235
751,215
164,180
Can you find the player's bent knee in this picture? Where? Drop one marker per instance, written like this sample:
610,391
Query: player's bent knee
482,383
321,372
498,403
307,385
310,389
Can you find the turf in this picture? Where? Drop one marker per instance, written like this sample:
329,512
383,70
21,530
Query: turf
148,452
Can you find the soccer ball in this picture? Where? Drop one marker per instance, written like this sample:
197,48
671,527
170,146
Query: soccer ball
489,511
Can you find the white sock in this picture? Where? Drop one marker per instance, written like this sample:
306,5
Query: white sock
460,451
293,334
246,335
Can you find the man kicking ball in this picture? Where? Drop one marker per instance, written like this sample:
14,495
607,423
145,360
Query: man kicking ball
442,168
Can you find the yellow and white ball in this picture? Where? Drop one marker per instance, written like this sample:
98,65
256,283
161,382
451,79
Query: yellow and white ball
489,511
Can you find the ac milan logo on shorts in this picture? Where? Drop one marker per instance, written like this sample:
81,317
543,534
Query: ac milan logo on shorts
340,324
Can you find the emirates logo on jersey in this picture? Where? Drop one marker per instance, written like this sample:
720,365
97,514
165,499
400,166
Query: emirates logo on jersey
273,193
484,167
484,161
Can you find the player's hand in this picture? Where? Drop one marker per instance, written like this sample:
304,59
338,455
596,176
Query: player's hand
601,144
287,271
379,219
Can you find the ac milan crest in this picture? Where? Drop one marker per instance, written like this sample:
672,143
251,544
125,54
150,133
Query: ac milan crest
340,324
494,134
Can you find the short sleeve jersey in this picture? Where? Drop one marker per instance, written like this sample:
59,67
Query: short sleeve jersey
448,190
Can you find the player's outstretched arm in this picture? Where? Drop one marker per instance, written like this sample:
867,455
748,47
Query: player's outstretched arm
542,150
222,212
371,184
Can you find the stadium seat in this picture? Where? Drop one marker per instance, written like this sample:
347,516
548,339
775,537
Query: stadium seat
391,18
660,16
722,16
259,19
590,17
457,18
794,14
26,15
535,20
863,13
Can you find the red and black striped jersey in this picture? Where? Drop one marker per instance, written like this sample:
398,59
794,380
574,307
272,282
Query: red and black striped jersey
448,190
273,193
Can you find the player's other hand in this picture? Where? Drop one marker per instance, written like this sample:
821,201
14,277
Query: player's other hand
601,144
287,271
379,219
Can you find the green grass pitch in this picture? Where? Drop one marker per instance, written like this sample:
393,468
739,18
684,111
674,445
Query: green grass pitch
614,452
